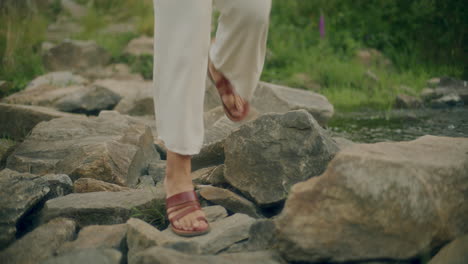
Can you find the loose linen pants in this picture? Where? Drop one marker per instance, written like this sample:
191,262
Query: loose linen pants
182,46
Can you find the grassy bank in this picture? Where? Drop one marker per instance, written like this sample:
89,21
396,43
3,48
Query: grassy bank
297,55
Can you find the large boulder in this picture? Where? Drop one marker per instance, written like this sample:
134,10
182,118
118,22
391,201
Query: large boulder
75,55
17,121
92,255
454,253
101,208
279,99
21,194
264,158
41,243
379,201
169,256
112,148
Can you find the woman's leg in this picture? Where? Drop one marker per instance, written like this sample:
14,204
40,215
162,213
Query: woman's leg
239,50
182,36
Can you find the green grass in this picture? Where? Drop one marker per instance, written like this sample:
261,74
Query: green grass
154,215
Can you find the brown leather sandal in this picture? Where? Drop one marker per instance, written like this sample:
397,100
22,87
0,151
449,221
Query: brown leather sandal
187,202
224,87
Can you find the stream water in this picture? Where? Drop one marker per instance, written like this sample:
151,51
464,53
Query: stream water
400,125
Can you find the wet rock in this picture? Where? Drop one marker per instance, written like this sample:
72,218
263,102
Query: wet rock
75,55
454,253
97,237
280,99
229,200
142,45
84,185
407,101
380,201
41,243
101,256
168,256
20,193
266,157
89,100
102,208
112,148
17,121
223,234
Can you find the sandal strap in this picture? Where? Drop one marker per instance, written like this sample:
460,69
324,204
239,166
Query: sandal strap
181,198
184,213
181,206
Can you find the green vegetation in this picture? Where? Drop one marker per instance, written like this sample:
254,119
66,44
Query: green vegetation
154,215
421,38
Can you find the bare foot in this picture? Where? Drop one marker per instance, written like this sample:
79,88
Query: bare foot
178,179
233,102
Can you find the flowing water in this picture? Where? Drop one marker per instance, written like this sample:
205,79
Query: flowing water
400,125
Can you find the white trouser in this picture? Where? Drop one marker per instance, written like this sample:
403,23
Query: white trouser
182,44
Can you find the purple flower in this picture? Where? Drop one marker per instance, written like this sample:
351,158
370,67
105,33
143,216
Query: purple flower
322,26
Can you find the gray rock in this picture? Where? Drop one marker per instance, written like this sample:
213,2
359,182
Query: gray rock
63,28
141,235
211,116
6,148
223,234
59,185
126,88
212,152
379,201
17,121
101,256
21,192
75,55
212,175
229,200
57,79
111,147
139,104
102,208
266,157
39,244
454,253
119,71
407,102
280,99
84,185
157,170
97,237
45,95
168,256
90,100
145,180
215,213
446,101
262,236
343,142
142,45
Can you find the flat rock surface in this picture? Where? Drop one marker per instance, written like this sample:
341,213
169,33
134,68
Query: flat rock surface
103,208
